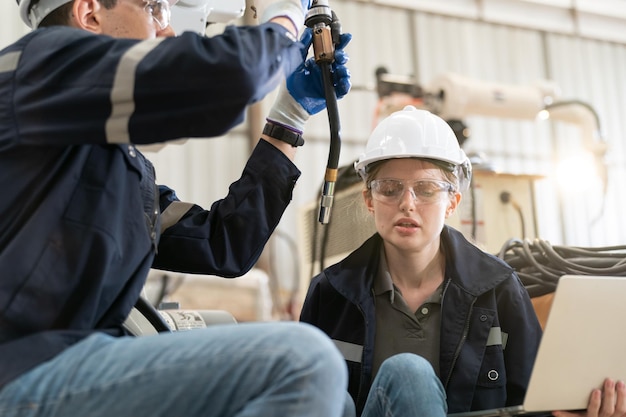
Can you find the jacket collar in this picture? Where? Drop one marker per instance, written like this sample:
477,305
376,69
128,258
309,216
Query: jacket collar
473,270
470,267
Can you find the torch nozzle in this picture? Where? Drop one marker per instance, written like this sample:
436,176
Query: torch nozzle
319,13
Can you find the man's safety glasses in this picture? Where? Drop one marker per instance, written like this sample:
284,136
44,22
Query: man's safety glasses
391,191
160,11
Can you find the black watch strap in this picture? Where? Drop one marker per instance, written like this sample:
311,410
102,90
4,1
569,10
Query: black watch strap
281,133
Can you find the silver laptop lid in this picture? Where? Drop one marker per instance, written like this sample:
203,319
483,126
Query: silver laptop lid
583,343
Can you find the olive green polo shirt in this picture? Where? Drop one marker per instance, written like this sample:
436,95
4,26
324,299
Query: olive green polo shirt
398,329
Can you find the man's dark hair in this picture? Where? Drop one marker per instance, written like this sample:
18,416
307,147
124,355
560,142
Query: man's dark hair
61,15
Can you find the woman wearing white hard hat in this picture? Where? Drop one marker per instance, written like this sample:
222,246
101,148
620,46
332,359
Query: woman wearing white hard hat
428,323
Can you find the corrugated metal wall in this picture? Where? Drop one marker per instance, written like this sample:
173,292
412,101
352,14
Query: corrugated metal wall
411,42
479,39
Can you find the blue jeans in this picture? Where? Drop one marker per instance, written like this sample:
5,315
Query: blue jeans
248,369
406,385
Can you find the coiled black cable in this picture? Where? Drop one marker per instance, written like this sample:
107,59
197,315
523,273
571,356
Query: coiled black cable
540,265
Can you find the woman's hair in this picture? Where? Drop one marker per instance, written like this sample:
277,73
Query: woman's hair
61,16
372,170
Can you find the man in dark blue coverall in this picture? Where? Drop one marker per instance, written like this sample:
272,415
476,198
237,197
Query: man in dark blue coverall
82,220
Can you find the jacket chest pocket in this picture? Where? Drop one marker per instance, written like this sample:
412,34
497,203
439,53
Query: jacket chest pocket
116,186
488,338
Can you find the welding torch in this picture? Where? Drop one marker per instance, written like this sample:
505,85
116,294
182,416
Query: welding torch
326,30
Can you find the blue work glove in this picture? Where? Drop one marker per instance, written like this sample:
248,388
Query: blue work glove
303,93
295,10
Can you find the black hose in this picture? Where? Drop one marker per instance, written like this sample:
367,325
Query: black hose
540,265
333,115
152,315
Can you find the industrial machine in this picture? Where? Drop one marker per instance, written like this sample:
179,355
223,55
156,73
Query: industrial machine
454,97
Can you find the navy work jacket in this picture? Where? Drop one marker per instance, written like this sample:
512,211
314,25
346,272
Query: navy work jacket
81,217
489,330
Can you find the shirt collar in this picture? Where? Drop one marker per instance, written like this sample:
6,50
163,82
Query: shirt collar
382,281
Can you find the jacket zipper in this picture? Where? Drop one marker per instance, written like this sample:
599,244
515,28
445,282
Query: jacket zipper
457,352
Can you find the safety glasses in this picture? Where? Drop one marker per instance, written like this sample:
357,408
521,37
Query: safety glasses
160,11
390,191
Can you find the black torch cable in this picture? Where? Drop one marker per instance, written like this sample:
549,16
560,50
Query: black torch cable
326,35
333,117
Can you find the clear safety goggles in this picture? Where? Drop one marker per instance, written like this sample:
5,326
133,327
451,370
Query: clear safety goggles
391,191
160,11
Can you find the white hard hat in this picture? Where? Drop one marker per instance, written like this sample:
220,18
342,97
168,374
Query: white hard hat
33,16
414,133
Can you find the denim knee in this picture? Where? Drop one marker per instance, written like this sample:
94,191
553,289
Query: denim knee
406,385
407,363
315,341
325,367
408,369
319,348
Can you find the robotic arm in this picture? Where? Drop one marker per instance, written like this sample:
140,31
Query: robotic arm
453,97
195,15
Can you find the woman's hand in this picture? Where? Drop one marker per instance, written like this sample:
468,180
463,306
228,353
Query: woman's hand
610,401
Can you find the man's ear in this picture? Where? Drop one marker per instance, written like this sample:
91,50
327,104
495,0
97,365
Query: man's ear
86,15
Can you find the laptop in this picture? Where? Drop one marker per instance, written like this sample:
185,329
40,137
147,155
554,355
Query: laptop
582,344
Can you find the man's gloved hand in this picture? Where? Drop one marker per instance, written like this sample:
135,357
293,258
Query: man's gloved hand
295,10
303,93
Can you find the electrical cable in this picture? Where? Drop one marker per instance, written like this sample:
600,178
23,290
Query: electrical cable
506,198
152,315
474,232
540,265
346,177
326,35
587,106
314,248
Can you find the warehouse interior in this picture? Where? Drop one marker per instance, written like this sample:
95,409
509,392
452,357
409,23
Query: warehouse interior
498,62
536,91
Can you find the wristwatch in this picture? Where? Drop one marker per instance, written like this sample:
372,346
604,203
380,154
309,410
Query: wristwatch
282,133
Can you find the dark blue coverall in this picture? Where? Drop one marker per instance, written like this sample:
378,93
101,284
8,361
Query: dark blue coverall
81,218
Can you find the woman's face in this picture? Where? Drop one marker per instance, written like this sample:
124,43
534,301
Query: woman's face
409,214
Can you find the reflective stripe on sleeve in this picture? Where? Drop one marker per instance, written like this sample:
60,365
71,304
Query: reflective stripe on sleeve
497,337
122,92
173,213
8,62
350,351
